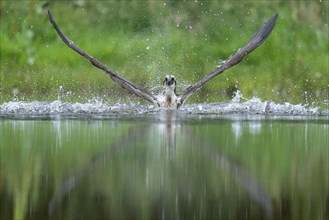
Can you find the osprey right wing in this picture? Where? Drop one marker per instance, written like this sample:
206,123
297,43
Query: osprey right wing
254,42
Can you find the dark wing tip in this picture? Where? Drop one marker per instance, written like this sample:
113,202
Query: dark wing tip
272,21
49,15
265,30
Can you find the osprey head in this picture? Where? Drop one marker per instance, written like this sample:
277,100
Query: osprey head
170,82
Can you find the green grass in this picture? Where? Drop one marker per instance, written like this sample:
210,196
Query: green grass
145,40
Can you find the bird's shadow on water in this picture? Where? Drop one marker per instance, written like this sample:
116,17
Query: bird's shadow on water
168,123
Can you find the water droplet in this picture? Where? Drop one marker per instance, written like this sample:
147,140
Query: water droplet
15,91
30,61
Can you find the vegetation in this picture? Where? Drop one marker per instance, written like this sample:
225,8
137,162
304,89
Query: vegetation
145,40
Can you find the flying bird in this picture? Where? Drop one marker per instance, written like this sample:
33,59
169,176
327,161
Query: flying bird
169,97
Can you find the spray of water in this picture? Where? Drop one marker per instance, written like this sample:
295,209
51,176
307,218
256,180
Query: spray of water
97,107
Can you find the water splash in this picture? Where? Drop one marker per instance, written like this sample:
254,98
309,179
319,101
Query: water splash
254,106
96,107
60,92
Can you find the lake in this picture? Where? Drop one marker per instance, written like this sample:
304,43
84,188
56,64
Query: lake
70,162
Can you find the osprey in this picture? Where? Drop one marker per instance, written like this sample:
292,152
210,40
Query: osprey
169,98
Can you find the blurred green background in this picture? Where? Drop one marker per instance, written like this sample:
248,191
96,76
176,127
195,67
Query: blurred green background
145,40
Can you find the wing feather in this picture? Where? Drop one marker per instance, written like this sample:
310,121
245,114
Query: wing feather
120,80
254,42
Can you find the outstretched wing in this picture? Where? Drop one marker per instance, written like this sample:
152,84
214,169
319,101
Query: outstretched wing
124,83
257,40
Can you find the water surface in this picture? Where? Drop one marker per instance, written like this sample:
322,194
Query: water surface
164,165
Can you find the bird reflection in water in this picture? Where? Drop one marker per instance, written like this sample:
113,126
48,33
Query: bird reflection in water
171,132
